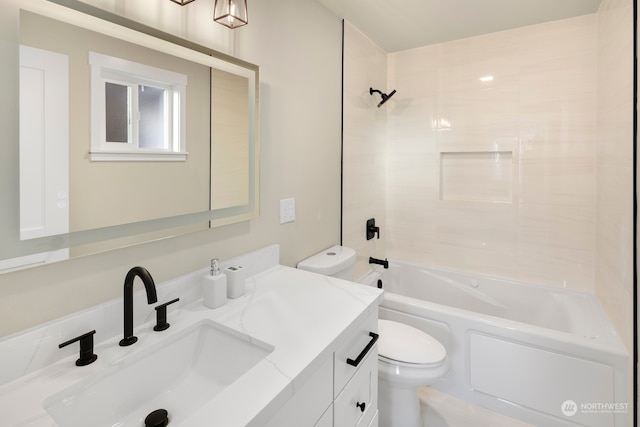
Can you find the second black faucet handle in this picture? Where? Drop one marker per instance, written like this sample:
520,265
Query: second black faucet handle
161,315
86,348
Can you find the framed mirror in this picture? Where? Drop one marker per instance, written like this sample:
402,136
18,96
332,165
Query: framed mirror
118,134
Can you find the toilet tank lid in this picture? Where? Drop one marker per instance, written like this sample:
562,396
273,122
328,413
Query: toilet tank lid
329,261
407,344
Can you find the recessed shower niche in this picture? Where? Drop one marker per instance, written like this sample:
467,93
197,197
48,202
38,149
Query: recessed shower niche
476,176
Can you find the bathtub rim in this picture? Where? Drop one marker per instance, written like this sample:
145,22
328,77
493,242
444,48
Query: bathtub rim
611,342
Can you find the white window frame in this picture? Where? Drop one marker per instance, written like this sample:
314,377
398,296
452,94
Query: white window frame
109,69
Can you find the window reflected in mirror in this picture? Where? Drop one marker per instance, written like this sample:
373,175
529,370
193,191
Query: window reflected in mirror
117,112
138,111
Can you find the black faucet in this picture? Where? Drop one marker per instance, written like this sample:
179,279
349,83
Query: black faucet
152,297
384,263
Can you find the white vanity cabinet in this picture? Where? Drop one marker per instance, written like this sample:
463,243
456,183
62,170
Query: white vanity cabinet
339,394
311,404
355,385
357,404
327,418
306,325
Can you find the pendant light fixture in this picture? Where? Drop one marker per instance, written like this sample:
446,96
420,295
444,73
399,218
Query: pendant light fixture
230,13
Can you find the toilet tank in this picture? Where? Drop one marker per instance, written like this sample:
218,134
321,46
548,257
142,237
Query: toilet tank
337,261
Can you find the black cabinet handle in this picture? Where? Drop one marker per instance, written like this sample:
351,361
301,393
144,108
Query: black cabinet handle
363,353
86,348
361,406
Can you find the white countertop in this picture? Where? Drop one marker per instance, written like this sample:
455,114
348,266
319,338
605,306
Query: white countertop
300,314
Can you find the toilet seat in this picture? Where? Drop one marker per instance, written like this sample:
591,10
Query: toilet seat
400,363
405,345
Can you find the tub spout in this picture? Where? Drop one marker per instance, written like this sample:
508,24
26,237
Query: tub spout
384,263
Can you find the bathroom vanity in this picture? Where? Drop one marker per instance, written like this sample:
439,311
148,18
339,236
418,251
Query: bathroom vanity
339,394
276,356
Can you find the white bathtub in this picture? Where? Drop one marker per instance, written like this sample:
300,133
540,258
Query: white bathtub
544,355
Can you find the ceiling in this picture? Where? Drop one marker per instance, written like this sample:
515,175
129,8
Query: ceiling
397,25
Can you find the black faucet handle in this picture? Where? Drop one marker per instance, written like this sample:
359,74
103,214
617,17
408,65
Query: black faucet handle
161,315
372,230
86,348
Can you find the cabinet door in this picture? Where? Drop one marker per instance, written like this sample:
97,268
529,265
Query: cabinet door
358,402
309,403
374,421
327,419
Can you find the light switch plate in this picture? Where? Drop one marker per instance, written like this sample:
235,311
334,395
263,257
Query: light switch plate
287,210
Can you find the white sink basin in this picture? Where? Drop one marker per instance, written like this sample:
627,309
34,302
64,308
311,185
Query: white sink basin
179,375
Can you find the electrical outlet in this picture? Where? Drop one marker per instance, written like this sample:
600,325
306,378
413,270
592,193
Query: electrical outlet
287,210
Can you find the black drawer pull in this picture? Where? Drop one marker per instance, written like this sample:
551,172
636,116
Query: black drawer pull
361,406
363,353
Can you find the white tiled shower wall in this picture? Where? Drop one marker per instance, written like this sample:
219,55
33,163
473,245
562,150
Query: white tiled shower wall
555,121
364,146
614,165
540,107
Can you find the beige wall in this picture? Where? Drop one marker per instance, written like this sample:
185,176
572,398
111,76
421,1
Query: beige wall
297,44
364,174
614,214
103,194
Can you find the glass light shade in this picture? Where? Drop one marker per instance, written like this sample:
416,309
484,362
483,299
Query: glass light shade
231,13
182,2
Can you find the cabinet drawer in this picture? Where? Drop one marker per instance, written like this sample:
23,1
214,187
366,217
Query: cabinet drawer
358,402
350,348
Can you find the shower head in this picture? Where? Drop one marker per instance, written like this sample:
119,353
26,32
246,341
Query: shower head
384,96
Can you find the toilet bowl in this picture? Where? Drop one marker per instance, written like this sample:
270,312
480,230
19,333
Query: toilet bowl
408,358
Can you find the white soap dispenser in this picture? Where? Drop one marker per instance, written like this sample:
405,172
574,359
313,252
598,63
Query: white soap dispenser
214,286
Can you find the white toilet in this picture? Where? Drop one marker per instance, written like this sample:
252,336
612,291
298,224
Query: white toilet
337,261
408,358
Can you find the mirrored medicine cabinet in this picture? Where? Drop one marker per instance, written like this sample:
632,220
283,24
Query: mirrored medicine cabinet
116,133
